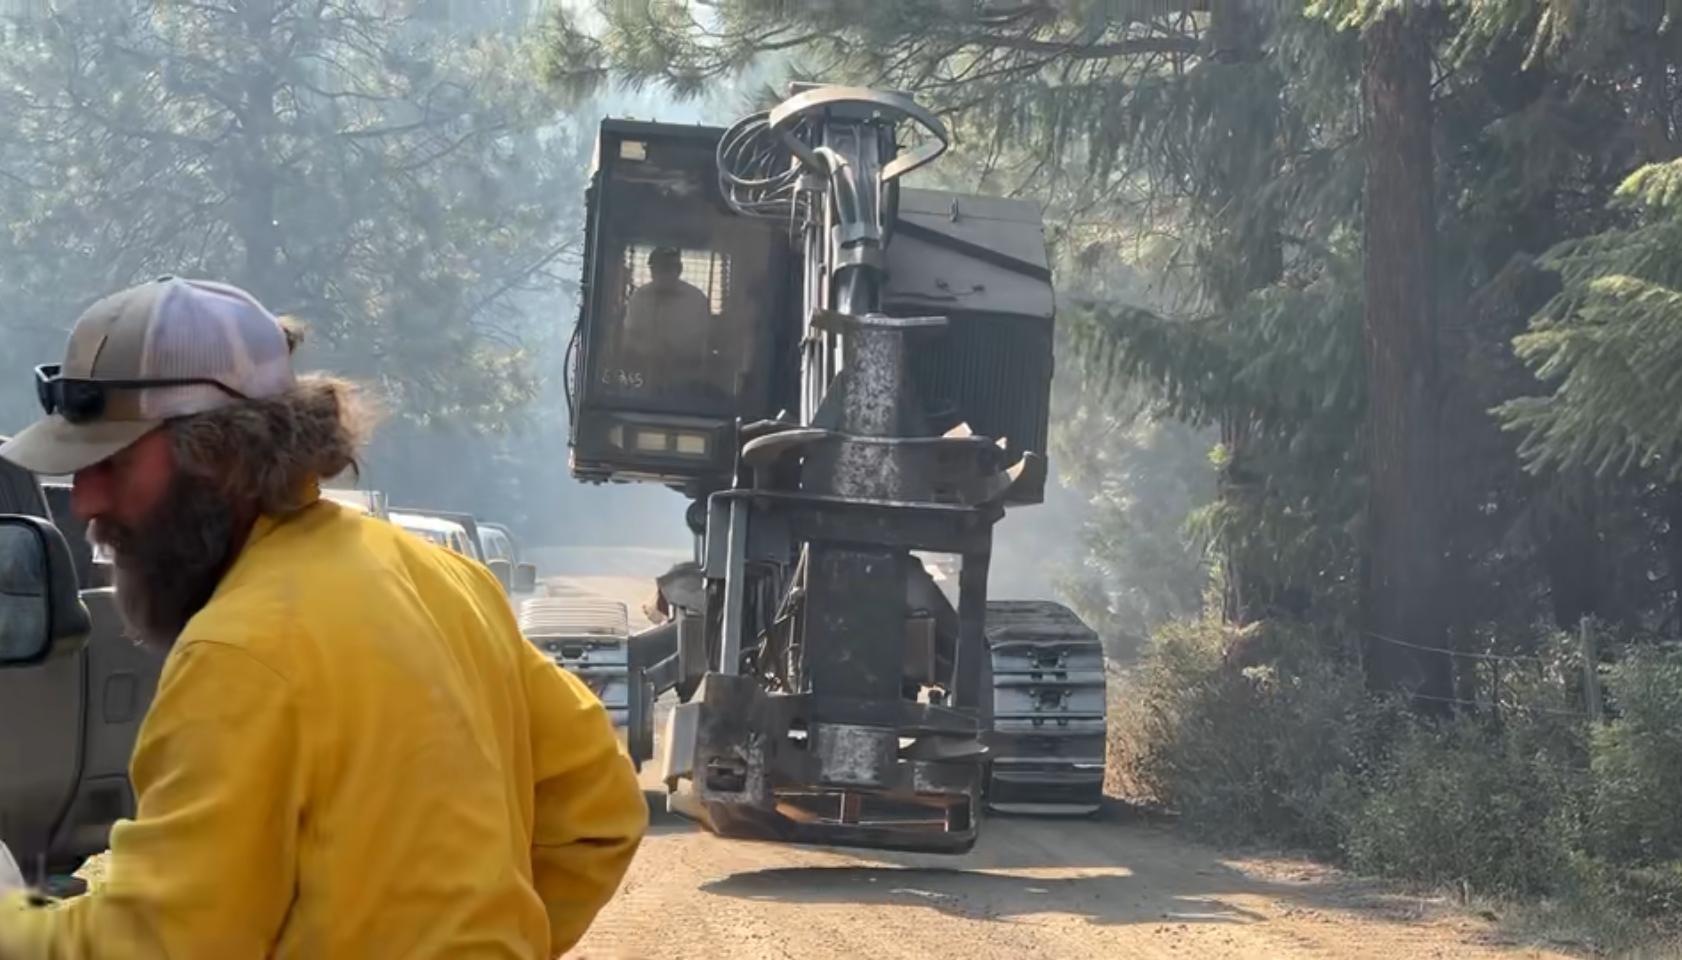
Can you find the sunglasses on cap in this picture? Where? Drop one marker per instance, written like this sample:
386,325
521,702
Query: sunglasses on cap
82,399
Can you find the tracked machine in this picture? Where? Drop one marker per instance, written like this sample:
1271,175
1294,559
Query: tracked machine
845,376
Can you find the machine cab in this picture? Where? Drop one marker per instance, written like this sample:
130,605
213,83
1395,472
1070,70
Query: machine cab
684,305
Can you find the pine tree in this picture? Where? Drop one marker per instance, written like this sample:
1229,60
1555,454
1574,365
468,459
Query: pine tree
1399,229
385,182
1218,149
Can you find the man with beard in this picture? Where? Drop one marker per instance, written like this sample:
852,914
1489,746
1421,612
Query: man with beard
352,752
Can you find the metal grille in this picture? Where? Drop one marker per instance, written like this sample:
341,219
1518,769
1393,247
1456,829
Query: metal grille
997,372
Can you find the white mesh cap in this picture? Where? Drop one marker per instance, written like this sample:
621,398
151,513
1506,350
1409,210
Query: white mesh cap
166,329
196,329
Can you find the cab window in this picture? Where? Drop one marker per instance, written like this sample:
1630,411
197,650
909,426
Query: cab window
679,334
496,545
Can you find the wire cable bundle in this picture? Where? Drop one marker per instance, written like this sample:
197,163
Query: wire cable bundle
756,173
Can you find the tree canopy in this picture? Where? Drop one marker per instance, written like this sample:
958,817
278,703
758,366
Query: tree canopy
396,184
1217,150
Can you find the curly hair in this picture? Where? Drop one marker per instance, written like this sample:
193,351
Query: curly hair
271,451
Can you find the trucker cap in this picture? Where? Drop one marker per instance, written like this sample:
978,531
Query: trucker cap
159,350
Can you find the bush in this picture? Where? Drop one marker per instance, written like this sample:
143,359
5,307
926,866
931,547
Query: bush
1637,810
1457,804
1270,751
1266,734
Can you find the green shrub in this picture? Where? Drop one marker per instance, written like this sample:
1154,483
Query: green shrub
1266,734
1652,890
1456,803
1636,815
1272,751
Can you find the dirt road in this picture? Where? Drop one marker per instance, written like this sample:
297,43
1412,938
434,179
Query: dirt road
1111,887
1032,889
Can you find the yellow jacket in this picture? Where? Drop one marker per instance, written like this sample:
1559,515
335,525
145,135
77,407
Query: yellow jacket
353,753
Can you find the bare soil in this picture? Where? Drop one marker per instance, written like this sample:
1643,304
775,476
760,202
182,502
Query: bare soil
1108,887
1115,886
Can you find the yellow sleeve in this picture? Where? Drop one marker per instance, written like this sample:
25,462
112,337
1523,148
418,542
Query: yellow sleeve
206,868
590,812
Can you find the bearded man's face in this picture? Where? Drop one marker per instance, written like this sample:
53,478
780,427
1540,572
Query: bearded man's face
168,561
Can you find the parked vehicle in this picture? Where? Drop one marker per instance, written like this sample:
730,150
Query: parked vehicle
497,543
69,677
370,502
468,524
516,577
500,548
444,533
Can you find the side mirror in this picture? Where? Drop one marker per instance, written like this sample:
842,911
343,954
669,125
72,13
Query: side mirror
11,878
41,611
504,573
525,578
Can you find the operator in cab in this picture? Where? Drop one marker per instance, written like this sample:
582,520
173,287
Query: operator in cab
667,308
672,338
667,321
353,752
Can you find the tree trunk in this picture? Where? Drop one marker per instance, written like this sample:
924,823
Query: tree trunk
1402,592
1571,553
1673,549
1235,37
259,233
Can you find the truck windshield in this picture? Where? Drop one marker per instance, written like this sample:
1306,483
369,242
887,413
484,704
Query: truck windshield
496,545
427,533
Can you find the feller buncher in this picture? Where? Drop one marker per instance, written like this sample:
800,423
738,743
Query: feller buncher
844,375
